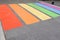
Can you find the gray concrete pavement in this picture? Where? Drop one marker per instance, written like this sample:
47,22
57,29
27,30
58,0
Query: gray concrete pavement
2,37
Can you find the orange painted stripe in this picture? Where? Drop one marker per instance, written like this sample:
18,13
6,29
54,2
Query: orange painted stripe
9,20
25,16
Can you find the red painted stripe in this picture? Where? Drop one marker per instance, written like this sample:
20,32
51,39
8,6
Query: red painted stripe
9,20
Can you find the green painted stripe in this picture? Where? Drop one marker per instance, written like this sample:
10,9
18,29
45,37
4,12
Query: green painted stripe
50,13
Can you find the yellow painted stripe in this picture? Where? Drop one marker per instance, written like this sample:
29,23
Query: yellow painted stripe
26,16
35,12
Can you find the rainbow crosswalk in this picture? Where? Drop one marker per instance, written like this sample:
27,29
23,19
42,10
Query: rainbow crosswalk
29,13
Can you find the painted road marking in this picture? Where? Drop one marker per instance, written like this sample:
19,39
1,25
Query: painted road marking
44,6
9,20
53,9
53,6
26,16
35,12
52,14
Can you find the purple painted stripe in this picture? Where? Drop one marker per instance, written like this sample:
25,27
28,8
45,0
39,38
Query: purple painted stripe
50,5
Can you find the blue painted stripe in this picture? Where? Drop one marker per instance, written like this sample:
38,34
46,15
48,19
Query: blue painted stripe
49,8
